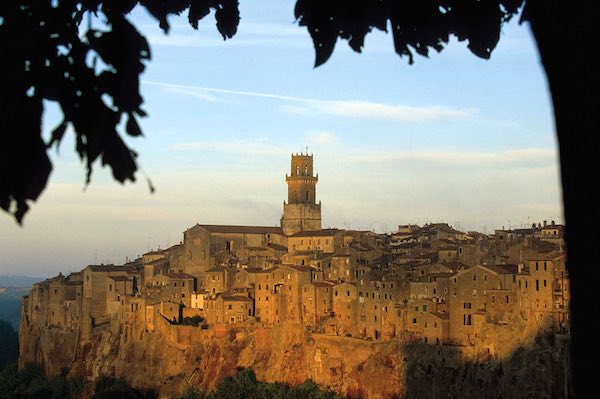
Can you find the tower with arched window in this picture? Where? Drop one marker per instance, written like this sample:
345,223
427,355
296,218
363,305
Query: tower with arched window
301,212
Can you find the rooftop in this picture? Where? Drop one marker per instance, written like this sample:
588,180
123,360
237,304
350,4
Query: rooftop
317,233
215,228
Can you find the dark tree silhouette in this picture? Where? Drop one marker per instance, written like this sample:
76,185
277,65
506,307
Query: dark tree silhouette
45,57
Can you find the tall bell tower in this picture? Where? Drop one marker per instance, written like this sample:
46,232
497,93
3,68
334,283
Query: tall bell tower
301,212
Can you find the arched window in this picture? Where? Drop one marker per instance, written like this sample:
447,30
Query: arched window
297,170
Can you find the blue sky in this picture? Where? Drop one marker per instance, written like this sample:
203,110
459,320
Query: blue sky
451,138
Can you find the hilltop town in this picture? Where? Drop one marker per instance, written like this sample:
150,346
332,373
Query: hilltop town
485,294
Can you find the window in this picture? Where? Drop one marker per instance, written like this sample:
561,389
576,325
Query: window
414,320
485,277
424,308
545,266
229,307
474,277
347,293
336,293
536,266
467,305
537,285
109,288
183,284
507,299
416,308
467,319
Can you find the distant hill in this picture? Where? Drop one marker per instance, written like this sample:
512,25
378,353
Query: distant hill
19,281
12,289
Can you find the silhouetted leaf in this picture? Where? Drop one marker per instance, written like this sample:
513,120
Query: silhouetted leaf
132,126
57,134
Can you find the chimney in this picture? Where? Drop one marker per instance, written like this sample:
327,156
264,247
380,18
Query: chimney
545,223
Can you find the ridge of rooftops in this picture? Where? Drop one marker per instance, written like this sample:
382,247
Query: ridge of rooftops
218,228
111,268
317,233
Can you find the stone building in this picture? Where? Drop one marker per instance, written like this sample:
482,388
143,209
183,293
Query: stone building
96,285
345,301
467,298
219,279
548,290
301,211
317,301
226,308
208,246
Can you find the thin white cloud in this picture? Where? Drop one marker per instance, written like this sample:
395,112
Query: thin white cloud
374,110
323,137
200,94
188,90
235,146
345,108
515,157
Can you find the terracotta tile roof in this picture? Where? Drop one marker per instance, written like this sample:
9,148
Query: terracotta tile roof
120,278
214,228
503,269
111,268
159,252
157,261
277,247
454,265
300,268
317,233
217,269
322,284
236,298
252,270
182,276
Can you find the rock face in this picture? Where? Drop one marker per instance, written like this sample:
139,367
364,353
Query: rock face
173,357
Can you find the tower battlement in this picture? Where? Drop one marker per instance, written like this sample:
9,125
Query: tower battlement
301,212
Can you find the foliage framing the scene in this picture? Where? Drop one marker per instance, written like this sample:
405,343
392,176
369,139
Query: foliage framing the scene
87,56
